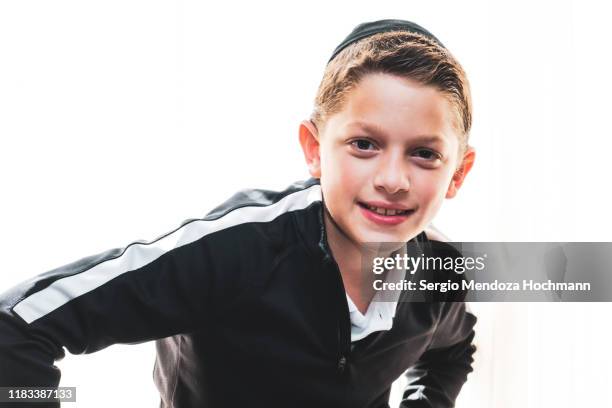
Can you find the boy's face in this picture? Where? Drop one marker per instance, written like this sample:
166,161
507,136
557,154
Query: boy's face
387,160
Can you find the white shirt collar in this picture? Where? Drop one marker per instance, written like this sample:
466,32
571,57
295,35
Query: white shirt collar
381,310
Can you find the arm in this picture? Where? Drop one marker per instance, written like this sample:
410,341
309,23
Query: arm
436,379
144,291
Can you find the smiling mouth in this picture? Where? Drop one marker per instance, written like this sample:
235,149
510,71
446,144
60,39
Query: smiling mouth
385,211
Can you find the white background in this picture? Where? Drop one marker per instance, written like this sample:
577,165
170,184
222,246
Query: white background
120,119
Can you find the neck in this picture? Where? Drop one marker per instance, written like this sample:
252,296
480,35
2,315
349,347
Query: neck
345,252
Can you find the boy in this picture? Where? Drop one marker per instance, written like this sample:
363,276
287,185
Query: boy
265,290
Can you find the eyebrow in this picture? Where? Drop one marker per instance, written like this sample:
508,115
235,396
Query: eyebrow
376,129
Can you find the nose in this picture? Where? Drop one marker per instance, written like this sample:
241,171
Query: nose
391,175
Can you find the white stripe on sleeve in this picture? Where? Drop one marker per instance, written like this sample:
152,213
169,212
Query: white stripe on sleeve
138,255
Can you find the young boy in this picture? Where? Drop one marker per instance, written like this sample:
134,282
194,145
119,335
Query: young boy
260,303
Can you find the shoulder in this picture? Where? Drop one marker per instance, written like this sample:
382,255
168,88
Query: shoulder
249,232
443,255
262,205
434,234
257,221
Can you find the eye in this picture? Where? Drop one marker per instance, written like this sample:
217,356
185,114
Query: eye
363,144
427,154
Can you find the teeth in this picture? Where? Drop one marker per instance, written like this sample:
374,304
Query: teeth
384,211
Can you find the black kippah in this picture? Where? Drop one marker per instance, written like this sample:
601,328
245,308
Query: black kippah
364,30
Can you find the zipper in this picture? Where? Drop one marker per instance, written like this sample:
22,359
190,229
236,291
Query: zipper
344,322
343,315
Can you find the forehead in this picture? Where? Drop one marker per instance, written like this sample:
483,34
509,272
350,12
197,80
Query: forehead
397,107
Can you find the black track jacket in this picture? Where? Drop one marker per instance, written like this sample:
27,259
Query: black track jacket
248,309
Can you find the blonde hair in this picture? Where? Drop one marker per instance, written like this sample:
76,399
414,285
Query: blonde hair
402,53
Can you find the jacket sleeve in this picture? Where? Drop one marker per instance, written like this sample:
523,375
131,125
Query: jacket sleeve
141,292
436,379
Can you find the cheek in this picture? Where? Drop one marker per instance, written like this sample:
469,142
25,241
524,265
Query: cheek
338,163
431,189
343,174
336,185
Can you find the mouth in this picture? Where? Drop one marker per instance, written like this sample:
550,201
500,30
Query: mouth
385,214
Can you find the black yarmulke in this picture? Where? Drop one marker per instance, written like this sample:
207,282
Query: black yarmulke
364,30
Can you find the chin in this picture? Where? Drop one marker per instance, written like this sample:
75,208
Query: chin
378,248
380,237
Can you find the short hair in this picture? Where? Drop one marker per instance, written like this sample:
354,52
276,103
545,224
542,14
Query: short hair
402,53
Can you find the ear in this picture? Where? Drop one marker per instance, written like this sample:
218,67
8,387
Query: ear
464,168
309,140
